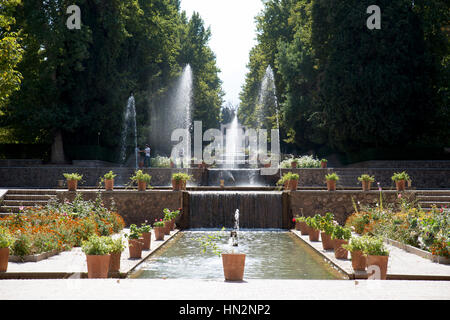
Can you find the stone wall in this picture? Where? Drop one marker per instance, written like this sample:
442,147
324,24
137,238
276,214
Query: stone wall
134,206
337,202
47,176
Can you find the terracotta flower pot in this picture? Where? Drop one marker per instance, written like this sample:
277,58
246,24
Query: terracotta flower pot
172,224
293,165
72,185
327,242
304,229
98,265
135,248
323,164
147,240
366,185
297,226
339,252
167,227
177,185
233,266
4,256
142,185
109,184
331,185
400,185
377,261
159,233
183,184
358,260
314,234
114,262
293,185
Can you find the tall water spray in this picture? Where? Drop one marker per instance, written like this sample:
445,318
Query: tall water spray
129,120
180,111
267,102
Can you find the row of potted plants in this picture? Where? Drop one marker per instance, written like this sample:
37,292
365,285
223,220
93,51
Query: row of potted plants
140,178
103,253
339,238
289,181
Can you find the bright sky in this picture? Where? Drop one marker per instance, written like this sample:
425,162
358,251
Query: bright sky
233,32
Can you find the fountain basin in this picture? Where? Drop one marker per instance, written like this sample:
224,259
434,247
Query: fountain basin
270,254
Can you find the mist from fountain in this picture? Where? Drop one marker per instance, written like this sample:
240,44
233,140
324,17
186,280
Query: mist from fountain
268,103
129,120
180,112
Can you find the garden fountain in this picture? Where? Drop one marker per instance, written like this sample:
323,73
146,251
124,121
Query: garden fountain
129,120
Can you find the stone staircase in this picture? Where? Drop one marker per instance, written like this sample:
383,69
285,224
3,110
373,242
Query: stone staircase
429,198
16,198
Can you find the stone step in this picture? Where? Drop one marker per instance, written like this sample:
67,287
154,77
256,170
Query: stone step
25,203
26,197
32,191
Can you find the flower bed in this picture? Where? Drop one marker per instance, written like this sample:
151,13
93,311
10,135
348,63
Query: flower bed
406,223
57,227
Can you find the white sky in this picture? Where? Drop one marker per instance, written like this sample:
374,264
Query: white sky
233,33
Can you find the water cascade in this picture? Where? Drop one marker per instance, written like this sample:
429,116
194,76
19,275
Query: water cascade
257,209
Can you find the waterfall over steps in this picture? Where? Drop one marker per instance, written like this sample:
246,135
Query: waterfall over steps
257,210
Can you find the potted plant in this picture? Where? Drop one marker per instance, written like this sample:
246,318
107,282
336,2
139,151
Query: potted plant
135,243
142,179
72,180
313,224
98,256
233,263
356,246
377,255
171,217
6,240
179,180
146,232
116,247
294,163
326,226
289,181
293,181
158,227
108,178
323,163
340,236
366,181
303,227
400,179
331,178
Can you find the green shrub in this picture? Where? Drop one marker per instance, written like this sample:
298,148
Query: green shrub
96,245
400,176
332,176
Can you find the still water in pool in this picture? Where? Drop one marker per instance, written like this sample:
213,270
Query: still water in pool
269,255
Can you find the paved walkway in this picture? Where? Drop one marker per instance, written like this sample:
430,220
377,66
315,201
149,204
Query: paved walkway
402,265
179,289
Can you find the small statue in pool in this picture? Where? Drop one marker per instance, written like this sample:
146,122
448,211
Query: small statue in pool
234,238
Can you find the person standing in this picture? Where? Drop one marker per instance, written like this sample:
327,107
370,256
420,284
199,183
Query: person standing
147,156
